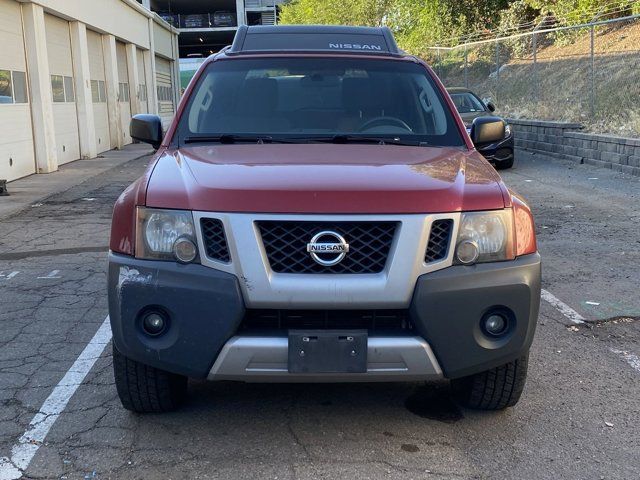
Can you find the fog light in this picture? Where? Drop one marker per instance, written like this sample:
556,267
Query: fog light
154,323
185,250
467,252
495,324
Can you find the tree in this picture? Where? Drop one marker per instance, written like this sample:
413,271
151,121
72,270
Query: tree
418,24
336,12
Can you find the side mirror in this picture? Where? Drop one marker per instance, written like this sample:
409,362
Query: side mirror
491,106
146,128
487,130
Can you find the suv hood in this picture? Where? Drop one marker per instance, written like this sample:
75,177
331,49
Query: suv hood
324,178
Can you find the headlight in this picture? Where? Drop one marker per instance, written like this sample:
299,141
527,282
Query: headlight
165,235
507,130
485,237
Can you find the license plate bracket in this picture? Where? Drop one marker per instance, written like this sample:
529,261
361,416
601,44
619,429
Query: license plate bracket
328,351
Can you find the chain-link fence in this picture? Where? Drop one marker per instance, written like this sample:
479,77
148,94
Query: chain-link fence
587,73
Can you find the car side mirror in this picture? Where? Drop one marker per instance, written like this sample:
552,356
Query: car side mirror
491,106
487,130
146,128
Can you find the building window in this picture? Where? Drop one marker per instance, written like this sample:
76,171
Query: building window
165,94
95,91
20,87
102,91
57,88
124,92
62,89
98,93
69,94
13,87
6,95
142,92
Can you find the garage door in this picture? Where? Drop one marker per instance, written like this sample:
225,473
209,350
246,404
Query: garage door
62,86
164,85
123,91
16,140
98,91
142,87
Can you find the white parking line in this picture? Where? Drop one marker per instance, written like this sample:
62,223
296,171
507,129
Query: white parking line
562,307
8,276
52,274
630,358
25,449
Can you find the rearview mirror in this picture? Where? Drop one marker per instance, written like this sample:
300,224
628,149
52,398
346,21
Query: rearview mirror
487,130
491,106
146,128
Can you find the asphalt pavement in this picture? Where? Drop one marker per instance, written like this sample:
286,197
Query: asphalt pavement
578,417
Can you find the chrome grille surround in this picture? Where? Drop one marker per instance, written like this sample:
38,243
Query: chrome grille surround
262,287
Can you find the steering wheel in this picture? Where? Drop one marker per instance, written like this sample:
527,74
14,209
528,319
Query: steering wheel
384,120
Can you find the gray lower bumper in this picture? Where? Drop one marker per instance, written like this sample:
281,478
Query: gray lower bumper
264,359
448,305
206,309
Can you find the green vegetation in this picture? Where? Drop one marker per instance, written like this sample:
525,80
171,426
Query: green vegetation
418,24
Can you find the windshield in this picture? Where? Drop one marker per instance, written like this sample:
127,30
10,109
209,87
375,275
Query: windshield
467,102
307,99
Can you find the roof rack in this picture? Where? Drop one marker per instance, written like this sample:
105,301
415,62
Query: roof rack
313,38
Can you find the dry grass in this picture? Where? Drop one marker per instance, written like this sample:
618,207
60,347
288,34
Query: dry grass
559,86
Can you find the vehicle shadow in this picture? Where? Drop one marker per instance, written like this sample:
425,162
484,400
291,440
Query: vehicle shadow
433,400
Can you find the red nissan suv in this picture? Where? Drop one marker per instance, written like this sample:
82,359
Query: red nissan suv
317,212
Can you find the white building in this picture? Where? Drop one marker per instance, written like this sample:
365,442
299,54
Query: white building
73,72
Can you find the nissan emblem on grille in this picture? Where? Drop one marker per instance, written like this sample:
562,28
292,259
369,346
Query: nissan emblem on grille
328,253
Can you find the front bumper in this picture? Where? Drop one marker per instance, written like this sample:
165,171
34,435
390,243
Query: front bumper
206,308
498,152
264,359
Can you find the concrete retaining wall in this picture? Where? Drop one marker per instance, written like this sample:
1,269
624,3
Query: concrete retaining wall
566,141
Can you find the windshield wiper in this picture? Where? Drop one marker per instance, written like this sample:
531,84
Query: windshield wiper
228,138
232,138
342,138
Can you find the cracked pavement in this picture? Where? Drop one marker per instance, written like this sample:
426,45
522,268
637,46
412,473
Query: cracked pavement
578,417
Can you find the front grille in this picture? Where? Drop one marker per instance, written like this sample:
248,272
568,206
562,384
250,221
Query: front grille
372,320
286,245
215,242
439,240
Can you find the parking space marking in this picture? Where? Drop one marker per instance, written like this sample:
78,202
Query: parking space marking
52,274
25,449
562,307
632,359
8,276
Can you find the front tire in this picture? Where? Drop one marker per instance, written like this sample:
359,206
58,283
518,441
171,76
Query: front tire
493,389
145,389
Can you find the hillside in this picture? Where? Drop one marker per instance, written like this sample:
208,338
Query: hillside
562,80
